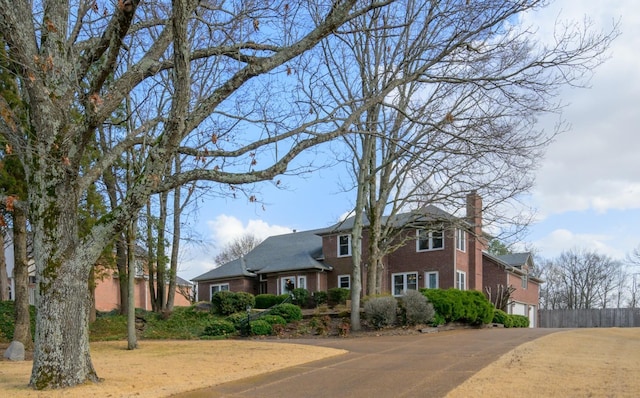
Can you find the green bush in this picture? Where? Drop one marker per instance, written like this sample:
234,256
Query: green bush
478,309
438,320
455,305
244,300
260,328
219,327
7,320
274,319
300,297
290,312
499,316
320,297
520,321
264,301
283,298
416,309
226,303
381,311
182,323
508,321
223,302
237,319
337,295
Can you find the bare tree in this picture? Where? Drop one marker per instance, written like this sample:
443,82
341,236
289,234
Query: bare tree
66,56
459,89
580,279
238,248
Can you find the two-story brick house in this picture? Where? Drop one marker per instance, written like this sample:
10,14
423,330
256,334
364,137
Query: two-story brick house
435,250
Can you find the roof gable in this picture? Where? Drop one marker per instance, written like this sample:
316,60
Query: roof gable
279,253
423,215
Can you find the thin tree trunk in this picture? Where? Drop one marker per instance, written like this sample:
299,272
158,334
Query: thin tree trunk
22,328
161,258
4,278
151,258
175,244
132,340
356,235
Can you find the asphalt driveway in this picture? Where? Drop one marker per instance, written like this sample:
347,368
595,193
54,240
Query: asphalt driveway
426,365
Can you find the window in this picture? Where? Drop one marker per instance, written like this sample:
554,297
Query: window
461,280
403,282
429,240
287,284
344,281
302,282
525,281
461,239
223,287
431,280
344,245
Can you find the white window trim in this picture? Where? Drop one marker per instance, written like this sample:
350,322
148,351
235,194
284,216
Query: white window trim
300,283
426,279
464,282
461,239
219,286
429,239
348,280
404,282
348,246
524,281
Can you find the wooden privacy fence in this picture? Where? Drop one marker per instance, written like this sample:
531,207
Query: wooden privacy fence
593,318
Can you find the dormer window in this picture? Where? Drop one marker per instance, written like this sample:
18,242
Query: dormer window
344,245
429,240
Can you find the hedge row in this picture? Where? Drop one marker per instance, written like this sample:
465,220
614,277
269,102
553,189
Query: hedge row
453,305
226,302
510,320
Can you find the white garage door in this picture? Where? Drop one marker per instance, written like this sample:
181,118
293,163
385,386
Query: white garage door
519,309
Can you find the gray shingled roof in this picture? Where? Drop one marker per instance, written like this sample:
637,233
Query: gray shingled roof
280,253
428,213
515,259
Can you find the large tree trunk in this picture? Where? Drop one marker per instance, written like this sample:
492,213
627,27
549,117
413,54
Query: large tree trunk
61,356
22,328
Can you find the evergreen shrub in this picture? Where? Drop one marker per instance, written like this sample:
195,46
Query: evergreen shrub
290,312
260,327
300,297
219,327
337,295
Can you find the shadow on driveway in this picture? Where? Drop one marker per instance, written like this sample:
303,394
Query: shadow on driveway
425,365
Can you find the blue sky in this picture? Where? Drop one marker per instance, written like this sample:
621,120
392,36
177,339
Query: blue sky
587,192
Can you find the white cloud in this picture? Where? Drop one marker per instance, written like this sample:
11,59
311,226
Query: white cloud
594,164
225,229
561,240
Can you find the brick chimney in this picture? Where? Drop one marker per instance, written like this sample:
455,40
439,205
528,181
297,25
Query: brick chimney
475,241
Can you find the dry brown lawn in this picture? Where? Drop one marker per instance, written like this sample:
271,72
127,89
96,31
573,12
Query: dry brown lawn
163,368
576,363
